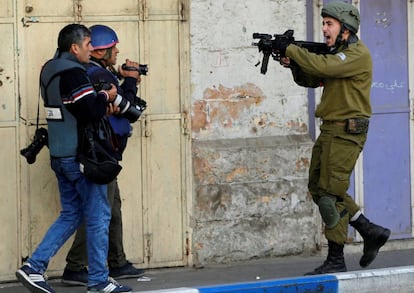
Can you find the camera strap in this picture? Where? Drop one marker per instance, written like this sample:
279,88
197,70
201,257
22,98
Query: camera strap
38,108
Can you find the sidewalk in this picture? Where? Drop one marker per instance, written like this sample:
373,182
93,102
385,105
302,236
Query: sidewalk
392,271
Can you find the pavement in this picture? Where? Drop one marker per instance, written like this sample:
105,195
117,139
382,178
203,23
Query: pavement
391,271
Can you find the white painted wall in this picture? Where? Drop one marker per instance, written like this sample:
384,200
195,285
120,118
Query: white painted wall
222,54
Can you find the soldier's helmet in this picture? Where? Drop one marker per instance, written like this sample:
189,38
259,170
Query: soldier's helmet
345,13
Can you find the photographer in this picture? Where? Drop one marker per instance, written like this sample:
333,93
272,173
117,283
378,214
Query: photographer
70,103
127,107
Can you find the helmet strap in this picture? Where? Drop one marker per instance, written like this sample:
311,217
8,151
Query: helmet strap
339,40
108,54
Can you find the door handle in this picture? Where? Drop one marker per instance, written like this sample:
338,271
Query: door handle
30,19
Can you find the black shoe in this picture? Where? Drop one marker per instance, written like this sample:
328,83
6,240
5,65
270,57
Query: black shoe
32,280
126,271
334,262
328,267
75,278
374,237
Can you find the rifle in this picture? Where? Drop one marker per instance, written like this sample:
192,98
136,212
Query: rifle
266,44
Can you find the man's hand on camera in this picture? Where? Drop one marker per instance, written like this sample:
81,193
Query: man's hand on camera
111,93
112,109
131,73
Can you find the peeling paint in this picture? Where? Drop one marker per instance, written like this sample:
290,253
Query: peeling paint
223,106
302,164
297,126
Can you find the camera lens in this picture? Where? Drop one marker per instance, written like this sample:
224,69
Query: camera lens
128,110
122,103
143,69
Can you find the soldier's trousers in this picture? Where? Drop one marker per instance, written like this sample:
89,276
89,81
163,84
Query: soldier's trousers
334,156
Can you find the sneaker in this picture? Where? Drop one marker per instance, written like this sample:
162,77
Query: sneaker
75,278
32,280
110,286
126,271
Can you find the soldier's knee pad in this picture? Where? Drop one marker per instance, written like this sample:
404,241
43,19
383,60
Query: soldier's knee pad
328,211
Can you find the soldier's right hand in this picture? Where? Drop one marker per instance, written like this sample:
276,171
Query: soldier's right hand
285,61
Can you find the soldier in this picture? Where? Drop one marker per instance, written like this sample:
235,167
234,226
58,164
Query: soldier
345,109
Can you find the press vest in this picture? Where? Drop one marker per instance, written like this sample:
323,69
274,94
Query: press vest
62,125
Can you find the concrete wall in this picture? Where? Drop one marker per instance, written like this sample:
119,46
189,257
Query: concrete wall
251,147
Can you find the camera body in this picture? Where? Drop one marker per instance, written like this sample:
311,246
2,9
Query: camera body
131,111
142,68
40,139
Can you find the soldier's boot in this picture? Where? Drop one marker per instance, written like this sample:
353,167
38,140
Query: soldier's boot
374,237
334,262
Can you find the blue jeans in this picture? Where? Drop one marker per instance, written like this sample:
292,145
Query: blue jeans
80,199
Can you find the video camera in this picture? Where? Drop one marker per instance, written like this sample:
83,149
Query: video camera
142,68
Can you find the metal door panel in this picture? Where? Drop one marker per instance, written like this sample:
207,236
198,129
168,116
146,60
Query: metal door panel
165,194
163,7
164,69
48,8
95,8
9,137
387,174
384,30
387,178
7,74
131,187
9,216
6,8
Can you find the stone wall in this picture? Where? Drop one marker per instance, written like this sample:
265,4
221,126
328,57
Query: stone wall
250,143
251,199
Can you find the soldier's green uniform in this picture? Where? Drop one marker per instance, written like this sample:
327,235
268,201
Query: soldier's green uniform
345,109
346,77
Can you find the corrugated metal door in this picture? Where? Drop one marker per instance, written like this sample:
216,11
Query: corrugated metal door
166,131
153,184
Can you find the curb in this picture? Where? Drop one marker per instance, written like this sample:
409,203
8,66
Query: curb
398,279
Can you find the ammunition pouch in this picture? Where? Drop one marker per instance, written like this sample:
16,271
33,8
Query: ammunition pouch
356,125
